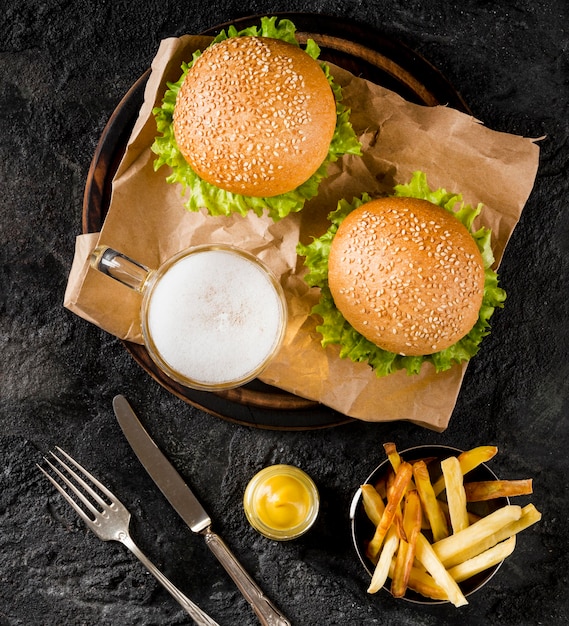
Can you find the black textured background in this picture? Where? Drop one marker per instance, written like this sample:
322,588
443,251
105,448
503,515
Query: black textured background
64,66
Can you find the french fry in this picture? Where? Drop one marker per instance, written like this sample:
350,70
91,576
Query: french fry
398,517
530,515
395,460
398,523
400,577
381,571
406,555
483,561
402,478
427,556
456,496
373,503
452,548
468,461
422,582
431,506
389,478
490,489
392,455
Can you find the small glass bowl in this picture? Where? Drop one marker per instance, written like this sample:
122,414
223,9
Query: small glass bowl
253,493
362,528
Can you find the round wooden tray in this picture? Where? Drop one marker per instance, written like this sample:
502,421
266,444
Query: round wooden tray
351,46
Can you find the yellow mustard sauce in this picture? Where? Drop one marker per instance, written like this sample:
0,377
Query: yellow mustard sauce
281,502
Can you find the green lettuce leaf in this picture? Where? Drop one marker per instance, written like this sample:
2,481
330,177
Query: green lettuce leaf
336,330
218,201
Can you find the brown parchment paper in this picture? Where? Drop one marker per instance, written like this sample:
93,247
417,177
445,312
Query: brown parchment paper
146,220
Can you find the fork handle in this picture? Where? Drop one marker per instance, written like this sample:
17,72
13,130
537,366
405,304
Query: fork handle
200,617
267,613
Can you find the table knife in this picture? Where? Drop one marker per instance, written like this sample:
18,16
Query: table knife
185,503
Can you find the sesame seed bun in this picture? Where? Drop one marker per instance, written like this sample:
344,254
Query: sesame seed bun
255,116
407,275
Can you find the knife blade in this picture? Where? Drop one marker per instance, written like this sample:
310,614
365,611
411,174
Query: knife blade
188,507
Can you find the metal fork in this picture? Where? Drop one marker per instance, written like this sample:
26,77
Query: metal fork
110,521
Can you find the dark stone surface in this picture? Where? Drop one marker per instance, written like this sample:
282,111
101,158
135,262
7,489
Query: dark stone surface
64,66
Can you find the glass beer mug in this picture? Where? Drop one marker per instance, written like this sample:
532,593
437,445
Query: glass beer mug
212,316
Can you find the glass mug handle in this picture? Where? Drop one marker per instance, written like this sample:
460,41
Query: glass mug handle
120,267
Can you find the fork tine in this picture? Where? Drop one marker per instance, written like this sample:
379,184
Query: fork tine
64,493
110,495
75,488
78,480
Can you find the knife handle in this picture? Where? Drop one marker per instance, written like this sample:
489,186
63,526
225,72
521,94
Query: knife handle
267,613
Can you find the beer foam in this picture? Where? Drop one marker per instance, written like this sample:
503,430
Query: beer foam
214,317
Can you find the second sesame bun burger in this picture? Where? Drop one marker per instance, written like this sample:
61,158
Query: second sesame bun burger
404,280
253,123
407,275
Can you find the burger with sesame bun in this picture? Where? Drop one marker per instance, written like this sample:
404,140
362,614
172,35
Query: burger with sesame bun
253,123
404,279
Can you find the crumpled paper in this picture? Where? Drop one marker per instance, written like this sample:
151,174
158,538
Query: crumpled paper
146,221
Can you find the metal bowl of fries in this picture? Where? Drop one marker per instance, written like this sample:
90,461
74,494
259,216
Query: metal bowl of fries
433,524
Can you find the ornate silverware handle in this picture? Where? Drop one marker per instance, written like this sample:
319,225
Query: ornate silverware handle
267,613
